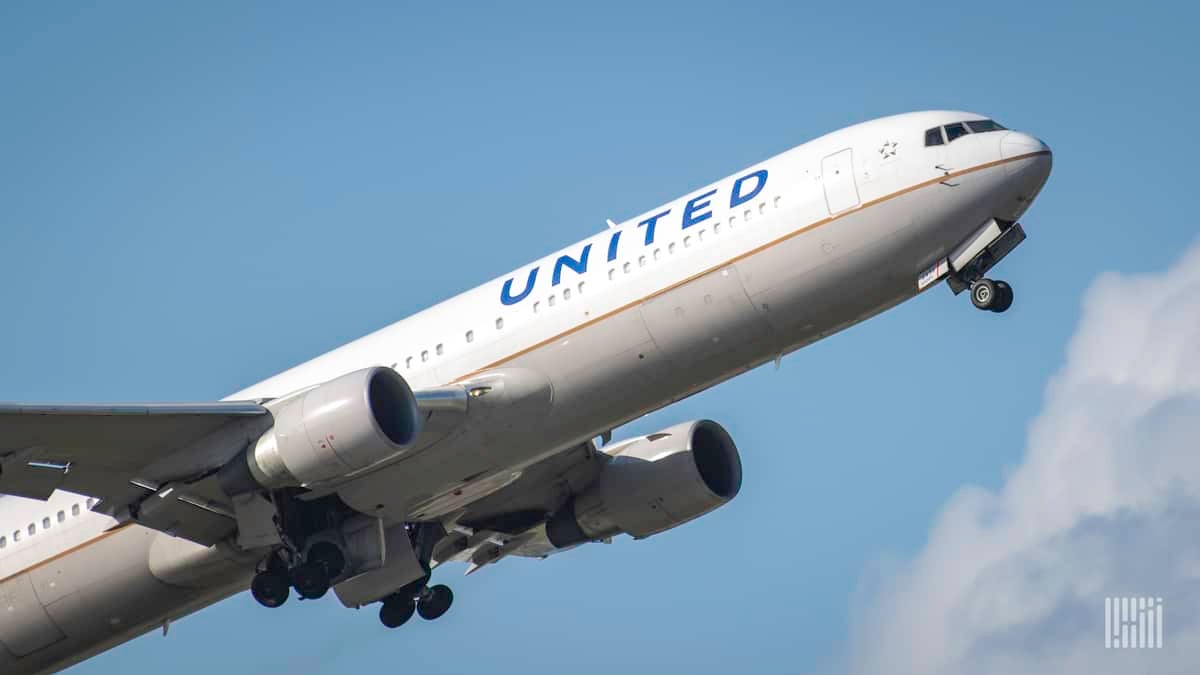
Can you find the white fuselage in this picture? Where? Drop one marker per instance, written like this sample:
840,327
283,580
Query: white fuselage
663,305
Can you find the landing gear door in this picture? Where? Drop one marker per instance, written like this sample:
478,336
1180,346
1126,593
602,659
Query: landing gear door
837,174
396,567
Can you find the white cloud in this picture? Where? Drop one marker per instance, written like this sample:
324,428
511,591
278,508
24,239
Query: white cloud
1106,502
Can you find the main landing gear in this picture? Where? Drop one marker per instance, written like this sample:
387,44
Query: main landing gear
992,296
430,602
272,585
311,569
311,578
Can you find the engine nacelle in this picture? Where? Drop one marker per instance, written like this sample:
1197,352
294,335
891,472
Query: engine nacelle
322,433
653,483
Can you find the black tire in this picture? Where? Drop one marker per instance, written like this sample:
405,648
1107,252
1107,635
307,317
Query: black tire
1004,297
436,602
270,590
329,556
396,612
984,294
310,580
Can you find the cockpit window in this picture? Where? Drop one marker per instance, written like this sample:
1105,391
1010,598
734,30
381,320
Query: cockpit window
980,126
956,130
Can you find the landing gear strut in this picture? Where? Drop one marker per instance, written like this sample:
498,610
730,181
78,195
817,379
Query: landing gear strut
993,296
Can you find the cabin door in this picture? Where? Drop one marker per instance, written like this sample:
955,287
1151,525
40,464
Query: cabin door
837,174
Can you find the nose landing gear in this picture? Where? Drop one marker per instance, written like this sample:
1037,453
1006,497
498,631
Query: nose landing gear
992,296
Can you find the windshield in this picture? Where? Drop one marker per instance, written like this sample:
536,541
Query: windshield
935,136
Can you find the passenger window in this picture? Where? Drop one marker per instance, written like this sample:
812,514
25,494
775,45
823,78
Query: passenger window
45,523
641,261
408,362
687,241
16,536
499,323
581,287
611,273
550,301
32,529
953,131
627,267
537,304
657,253
701,235
74,509
470,336
566,294
424,355
716,228
439,349
91,502
62,516
671,247
777,201
3,542
933,137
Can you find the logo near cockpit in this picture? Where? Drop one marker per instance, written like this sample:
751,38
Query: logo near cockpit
695,211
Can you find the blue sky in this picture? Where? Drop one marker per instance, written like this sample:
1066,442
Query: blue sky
194,198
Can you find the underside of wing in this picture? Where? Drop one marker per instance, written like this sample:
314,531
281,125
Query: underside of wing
148,458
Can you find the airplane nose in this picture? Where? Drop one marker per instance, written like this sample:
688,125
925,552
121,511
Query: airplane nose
1028,168
1016,143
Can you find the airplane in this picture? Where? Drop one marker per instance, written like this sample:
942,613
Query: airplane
482,427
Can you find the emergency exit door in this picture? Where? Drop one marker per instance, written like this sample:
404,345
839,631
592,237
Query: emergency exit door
837,174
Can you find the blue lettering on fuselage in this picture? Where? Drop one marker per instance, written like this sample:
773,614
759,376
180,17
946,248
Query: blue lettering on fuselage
506,295
579,266
696,210
737,198
650,223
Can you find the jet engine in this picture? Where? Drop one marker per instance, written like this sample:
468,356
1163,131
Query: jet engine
651,484
327,431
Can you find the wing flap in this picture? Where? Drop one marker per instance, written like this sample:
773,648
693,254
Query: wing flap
178,513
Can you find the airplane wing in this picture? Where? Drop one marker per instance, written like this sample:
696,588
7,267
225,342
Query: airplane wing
144,461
